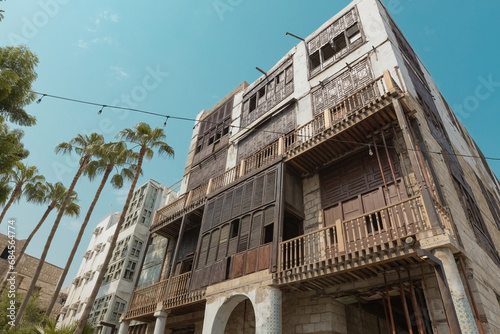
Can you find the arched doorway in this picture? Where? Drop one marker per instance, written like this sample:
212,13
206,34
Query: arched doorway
242,319
235,316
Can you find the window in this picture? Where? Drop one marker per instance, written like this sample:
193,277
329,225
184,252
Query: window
136,248
235,227
339,43
130,270
5,253
334,42
315,60
118,309
268,233
113,272
253,103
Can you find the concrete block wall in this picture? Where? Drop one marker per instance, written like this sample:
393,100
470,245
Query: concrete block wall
311,312
312,204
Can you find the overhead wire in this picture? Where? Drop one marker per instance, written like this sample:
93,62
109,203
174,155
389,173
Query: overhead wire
167,117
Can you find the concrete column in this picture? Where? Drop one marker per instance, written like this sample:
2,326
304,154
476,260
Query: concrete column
161,321
458,295
123,329
268,311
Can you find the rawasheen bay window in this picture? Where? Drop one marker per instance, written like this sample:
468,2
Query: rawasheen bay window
336,41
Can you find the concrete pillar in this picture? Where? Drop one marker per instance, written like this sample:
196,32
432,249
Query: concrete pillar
161,322
123,329
458,295
268,310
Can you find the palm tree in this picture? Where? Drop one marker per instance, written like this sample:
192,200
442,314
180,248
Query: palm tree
146,139
24,179
109,157
53,194
85,146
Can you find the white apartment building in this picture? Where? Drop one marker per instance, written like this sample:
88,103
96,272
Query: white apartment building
118,283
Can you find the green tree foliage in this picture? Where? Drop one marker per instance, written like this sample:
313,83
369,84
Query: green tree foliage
17,73
11,152
147,140
25,181
34,314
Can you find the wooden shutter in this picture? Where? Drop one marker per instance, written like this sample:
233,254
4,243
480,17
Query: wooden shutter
207,217
258,192
247,197
214,245
202,258
244,231
224,237
238,193
218,211
256,231
270,187
269,215
226,211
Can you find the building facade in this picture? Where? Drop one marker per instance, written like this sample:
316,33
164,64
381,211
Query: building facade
338,193
118,283
46,283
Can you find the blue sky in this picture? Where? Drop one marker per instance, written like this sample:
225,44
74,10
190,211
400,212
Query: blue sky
179,57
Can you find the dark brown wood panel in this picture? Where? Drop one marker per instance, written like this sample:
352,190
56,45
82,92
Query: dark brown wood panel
251,261
264,260
238,269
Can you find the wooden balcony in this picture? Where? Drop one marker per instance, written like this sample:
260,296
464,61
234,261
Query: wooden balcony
357,248
330,135
145,300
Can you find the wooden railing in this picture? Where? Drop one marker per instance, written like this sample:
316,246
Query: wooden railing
145,300
392,222
284,145
224,179
262,158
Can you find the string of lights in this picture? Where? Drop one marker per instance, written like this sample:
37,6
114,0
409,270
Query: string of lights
167,117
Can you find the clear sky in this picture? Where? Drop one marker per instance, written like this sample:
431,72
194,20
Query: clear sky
179,57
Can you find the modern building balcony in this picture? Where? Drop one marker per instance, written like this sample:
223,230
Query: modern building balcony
359,248
174,296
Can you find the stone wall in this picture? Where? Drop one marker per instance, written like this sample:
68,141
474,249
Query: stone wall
312,204
312,312
242,319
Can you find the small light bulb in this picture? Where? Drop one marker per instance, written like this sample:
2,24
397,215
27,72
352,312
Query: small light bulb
370,152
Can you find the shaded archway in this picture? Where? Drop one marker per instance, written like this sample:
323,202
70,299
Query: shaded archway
242,319
232,314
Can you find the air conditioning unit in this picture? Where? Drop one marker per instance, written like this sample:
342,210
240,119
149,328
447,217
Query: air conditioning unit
76,280
99,267
87,274
99,247
74,306
88,254
97,230
110,238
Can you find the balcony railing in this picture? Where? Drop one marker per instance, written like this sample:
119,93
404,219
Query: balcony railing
364,233
145,300
281,147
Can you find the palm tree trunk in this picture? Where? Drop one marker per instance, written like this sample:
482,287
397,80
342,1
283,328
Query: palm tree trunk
95,290
38,270
55,296
13,196
23,249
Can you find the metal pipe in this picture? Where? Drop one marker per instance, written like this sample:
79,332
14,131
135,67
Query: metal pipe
405,306
416,307
389,305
